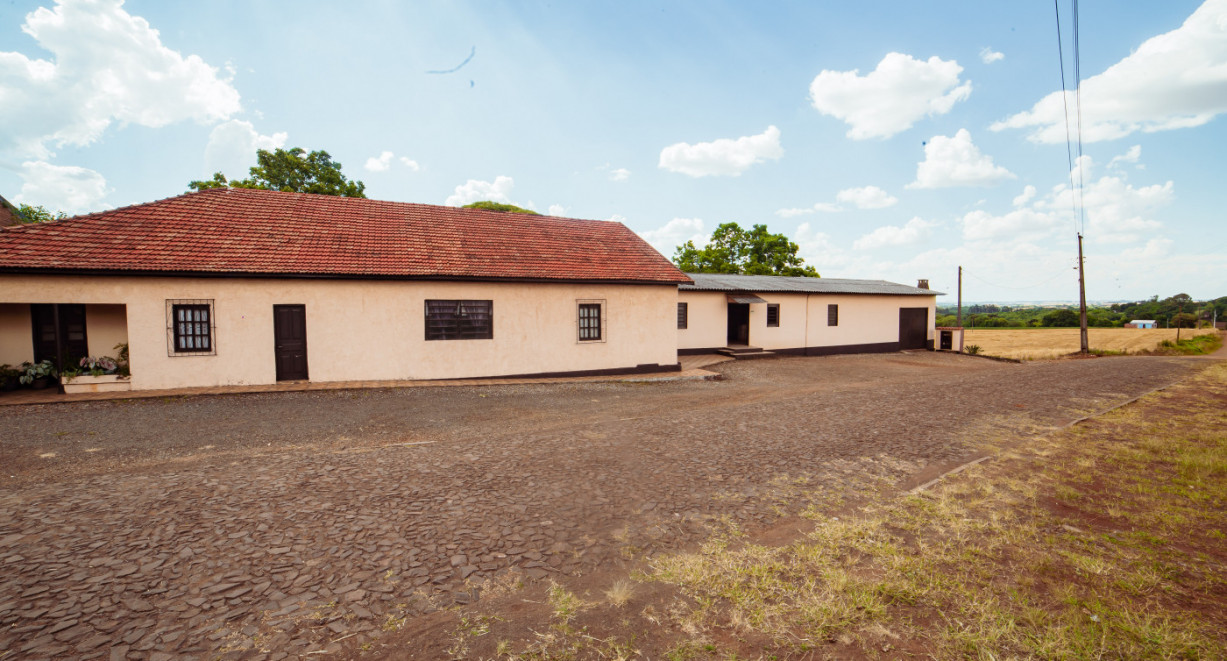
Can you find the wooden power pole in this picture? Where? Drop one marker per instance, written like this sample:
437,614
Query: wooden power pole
1082,296
959,315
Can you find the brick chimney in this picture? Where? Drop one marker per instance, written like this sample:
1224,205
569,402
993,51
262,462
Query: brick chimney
922,283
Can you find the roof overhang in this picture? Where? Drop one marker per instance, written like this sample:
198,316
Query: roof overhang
744,298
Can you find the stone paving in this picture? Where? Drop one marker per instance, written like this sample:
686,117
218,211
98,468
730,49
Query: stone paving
307,553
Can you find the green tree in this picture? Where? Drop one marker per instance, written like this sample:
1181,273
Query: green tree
1063,318
292,172
735,250
37,214
490,205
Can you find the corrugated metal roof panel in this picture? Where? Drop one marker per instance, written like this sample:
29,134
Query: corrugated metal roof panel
782,284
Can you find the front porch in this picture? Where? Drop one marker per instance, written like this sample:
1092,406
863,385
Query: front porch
62,333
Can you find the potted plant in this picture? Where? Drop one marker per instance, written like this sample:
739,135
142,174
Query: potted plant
9,377
101,374
37,375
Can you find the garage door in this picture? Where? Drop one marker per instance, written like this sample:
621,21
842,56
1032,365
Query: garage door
913,328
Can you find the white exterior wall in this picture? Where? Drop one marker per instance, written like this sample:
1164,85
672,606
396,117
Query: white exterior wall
359,330
863,319
708,324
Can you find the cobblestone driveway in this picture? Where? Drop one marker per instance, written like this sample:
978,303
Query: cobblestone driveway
273,526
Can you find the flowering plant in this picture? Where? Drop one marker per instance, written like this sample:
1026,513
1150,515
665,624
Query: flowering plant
99,366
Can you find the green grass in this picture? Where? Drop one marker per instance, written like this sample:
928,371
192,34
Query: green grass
1193,346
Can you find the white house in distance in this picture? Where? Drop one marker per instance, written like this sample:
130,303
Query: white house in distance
810,316
234,287
1141,323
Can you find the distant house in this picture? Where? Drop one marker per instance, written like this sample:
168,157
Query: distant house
233,286
1141,323
810,316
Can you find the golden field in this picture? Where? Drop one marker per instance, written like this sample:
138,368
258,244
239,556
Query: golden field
1043,343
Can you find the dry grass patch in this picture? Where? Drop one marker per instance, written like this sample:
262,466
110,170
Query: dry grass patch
1048,343
1104,540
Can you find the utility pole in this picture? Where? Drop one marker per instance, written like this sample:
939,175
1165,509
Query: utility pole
1086,348
959,317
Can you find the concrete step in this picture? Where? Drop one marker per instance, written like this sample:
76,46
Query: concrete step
745,353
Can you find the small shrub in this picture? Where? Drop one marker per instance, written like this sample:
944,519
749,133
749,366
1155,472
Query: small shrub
972,349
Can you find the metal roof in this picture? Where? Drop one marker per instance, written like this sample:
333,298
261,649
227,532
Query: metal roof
780,284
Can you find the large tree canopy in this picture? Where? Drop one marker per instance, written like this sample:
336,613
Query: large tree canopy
291,172
735,250
490,205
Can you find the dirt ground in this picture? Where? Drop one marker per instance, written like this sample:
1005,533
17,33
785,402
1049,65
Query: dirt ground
281,525
1046,343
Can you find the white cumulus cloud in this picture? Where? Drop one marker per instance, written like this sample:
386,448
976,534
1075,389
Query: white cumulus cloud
383,162
726,156
379,163
557,210
1131,156
1017,226
892,97
667,238
1174,80
69,189
106,66
988,55
867,197
475,190
1026,196
915,231
620,174
819,207
956,161
232,147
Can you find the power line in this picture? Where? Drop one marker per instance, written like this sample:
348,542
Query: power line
1075,184
1078,105
1031,286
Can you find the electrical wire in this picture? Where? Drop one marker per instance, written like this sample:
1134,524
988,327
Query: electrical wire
1078,106
1031,286
1075,184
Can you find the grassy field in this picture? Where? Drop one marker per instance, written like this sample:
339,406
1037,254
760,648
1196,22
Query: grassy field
1045,343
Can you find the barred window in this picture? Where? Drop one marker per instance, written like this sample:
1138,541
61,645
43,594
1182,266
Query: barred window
832,315
193,328
683,315
459,320
589,322
773,314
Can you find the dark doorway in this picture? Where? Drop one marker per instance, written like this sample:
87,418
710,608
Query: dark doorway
913,328
59,333
290,333
739,323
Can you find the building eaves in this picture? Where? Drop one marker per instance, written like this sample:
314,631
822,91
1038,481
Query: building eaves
783,284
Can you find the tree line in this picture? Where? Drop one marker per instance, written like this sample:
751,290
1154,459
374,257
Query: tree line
1180,310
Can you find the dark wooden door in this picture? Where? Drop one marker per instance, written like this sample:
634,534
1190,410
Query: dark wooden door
290,334
59,333
739,323
913,328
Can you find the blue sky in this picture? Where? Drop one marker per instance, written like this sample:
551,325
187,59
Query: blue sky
889,140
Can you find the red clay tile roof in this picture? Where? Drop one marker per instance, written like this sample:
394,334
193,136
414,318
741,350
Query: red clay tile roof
257,232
